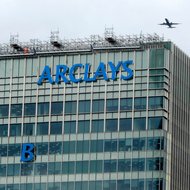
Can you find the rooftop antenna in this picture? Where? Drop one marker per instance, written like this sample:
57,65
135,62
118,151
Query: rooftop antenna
54,39
14,43
109,36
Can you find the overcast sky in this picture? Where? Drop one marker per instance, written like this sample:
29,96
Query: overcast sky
82,18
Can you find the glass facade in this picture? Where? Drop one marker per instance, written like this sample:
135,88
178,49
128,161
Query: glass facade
101,135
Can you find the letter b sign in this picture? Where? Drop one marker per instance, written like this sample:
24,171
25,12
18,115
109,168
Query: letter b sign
27,154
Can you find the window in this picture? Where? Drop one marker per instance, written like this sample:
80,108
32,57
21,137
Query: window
95,166
126,104
54,168
3,170
55,148
13,169
138,164
154,164
56,128
155,123
43,108
4,111
82,167
82,146
139,124
15,130
156,143
28,129
14,150
124,165
40,168
155,102
111,125
69,147
125,144
125,124
42,148
69,127
3,150
84,106
110,165
68,167
140,104
3,130
97,106
97,126
96,146
112,105
139,144
57,108
16,110
42,129
26,169
110,145
29,109
70,107
83,126
156,58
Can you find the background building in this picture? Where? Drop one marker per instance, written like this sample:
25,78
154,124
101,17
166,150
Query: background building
102,135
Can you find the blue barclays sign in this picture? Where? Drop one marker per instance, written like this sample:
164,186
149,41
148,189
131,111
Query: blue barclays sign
67,75
28,153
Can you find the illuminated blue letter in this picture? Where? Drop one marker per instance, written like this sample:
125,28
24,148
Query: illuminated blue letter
46,74
130,72
27,154
87,73
114,69
72,73
100,72
60,73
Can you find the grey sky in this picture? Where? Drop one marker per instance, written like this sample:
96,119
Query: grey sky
81,18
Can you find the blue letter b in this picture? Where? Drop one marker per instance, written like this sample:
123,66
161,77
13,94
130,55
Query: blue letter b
27,154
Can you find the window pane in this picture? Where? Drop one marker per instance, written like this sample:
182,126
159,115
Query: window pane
125,124
57,108
28,129
42,129
16,110
26,169
3,130
69,127
139,144
126,104
139,124
97,126
56,128
155,123
97,106
125,144
15,129
155,102
84,106
55,148
13,169
83,126
14,150
140,104
43,108
111,125
3,150
40,169
70,107
54,168
29,109
42,148
4,111
112,105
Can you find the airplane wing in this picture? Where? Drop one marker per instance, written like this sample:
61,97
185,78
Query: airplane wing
163,23
174,23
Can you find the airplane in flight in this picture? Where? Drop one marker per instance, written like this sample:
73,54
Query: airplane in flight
169,24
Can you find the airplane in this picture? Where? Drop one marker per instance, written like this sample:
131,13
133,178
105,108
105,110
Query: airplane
169,24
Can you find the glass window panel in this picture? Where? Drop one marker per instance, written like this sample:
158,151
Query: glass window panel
42,148
16,110
26,169
111,125
155,123
3,150
56,128
13,169
26,186
124,165
68,167
82,146
126,104
69,147
70,107
125,144
112,105
39,186
55,148
155,102
13,186
139,124
95,166
28,129
57,108
140,103
3,170
156,58
110,165
69,127
42,128
29,109
110,145
54,168
97,106
3,130
15,130
43,108
97,126
138,164
96,146
84,126
4,111
84,106
40,169
125,124
139,144
14,150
